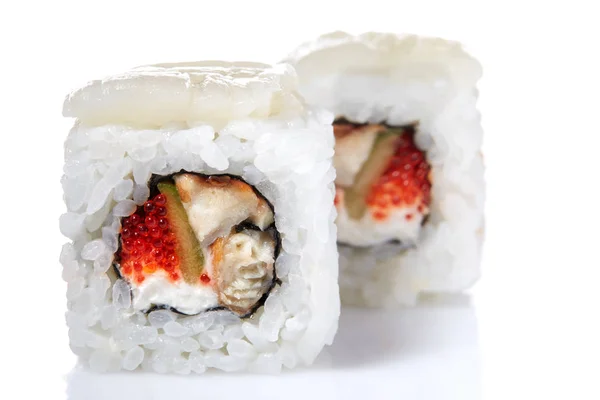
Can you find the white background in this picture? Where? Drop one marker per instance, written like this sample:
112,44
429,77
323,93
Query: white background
529,330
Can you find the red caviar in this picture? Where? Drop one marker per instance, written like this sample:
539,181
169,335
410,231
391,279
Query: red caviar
405,182
205,278
147,244
339,193
160,200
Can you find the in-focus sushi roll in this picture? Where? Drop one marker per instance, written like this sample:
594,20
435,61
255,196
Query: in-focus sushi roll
409,186
201,211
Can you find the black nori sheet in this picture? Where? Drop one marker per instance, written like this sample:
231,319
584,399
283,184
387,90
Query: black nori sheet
410,128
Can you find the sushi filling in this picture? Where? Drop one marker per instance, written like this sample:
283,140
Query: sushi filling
199,243
383,186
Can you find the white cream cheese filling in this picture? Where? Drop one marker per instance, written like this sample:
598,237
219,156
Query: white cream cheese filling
157,289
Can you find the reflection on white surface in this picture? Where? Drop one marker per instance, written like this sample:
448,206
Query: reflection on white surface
428,352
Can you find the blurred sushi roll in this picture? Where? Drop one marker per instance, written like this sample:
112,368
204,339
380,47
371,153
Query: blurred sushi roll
201,211
410,184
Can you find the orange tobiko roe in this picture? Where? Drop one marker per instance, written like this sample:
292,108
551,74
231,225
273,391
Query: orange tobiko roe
147,244
404,183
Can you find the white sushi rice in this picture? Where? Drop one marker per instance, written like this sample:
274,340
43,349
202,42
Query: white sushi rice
214,118
403,79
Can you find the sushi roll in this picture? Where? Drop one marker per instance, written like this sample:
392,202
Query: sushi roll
200,208
410,185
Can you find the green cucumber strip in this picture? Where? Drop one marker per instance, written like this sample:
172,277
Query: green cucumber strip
191,258
379,158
